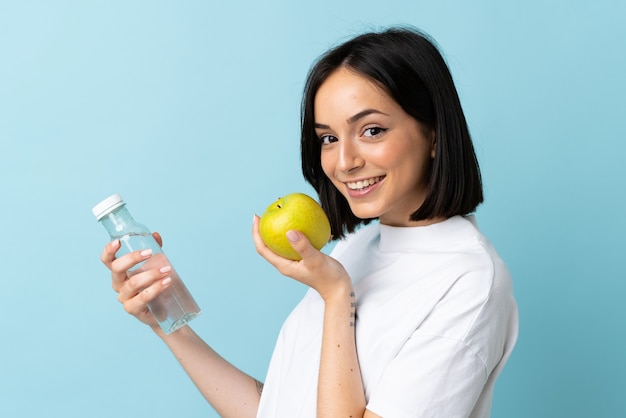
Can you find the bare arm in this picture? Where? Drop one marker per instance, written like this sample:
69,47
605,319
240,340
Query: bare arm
230,391
340,386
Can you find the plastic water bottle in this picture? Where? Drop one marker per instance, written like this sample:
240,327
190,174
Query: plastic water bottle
174,307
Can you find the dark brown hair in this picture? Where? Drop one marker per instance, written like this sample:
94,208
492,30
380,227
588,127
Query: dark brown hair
407,64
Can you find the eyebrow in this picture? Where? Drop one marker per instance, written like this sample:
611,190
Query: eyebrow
354,118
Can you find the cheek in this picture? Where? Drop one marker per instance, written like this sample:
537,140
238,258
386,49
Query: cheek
424,170
327,164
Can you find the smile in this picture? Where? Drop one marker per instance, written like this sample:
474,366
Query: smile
362,184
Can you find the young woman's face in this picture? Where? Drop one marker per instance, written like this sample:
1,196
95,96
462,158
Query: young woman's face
376,155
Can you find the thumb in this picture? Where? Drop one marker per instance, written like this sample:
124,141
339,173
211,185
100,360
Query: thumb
300,243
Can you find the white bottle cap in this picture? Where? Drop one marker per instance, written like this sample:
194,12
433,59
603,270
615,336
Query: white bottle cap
107,206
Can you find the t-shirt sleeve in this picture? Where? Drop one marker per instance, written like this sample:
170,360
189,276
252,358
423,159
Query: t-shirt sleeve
432,376
442,368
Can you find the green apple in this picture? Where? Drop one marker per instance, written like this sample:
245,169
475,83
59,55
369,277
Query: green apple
295,211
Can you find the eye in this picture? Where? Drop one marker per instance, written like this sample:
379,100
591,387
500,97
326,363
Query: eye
327,139
374,131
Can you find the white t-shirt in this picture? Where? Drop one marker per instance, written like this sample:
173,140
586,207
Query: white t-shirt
436,322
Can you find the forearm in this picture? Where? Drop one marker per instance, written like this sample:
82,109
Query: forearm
230,391
340,387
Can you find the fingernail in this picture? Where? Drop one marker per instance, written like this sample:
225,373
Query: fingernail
166,281
146,253
292,236
165,269
115,243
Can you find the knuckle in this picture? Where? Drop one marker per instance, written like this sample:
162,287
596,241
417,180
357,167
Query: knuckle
145,295
115,266
132,283
128,309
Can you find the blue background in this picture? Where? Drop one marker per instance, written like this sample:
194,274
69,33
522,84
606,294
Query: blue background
190,111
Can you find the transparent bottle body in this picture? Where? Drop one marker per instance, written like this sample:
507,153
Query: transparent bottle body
174,307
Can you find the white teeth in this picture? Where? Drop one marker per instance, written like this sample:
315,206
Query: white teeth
361,184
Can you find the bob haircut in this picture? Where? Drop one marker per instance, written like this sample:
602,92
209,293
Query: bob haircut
409,67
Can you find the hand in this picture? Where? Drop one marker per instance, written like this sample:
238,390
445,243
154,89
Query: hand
316,269
135,291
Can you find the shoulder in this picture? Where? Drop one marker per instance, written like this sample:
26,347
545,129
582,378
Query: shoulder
488,261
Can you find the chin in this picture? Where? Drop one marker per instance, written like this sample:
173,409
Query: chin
362,213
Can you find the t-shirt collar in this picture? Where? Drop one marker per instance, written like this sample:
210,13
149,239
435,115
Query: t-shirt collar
438,236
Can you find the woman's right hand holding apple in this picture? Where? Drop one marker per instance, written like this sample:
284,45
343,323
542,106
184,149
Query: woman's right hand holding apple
136,291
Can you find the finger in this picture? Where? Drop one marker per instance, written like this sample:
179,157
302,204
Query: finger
260,246
108,252
138,283
301,244
138,304
276,260
120,266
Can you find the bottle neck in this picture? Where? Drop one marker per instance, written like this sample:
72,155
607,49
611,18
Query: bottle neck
119,222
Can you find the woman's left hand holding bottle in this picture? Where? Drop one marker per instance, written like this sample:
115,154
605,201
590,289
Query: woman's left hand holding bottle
137,291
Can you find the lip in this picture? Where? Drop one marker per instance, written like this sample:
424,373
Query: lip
366,190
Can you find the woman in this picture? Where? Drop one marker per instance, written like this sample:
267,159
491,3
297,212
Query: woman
412,315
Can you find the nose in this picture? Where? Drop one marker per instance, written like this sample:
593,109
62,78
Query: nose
349,158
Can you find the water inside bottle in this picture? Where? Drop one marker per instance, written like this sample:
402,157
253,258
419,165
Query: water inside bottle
175,306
